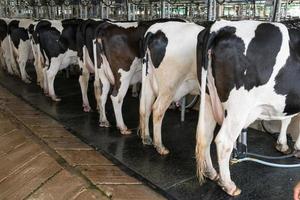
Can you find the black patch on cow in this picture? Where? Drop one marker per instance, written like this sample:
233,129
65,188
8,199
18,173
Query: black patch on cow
231,68
17,33
287,80
3,30
52,41
262,52
85,36
67,39
157,44
48,39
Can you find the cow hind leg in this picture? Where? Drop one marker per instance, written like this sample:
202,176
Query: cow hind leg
203,141
282,145
51,73
45,81
24,75
117,98
160,106
146,102
231,128
103,93
84,83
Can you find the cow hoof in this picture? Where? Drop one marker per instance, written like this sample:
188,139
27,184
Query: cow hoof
232,191
212,176
135,94
235,192
297,153
125,131
56,99
283,149
26,81
162,150
86,108
104,124
147,140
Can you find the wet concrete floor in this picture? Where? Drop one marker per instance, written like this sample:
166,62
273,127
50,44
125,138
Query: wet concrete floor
173,175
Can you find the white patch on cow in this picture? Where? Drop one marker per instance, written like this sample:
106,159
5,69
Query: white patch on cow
6,55
11,55
125,24
126,79
70,58
57,24
24,52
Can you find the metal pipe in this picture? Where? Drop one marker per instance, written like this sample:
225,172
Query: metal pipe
183,102
267,163
270,157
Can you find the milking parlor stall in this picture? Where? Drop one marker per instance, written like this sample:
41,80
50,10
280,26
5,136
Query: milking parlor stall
150,99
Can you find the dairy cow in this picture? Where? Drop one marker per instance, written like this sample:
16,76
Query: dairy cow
85,37
20,47
57,49
251,70
118,62
6,57
169,73
3,36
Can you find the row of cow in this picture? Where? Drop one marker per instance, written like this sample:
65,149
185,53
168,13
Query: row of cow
249,68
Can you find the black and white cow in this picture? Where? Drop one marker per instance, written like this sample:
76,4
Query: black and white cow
251,70
6,58
56,42
118,50
169,73
3,36
20,47
84,39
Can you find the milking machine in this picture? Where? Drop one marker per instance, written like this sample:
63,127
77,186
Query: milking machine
241,154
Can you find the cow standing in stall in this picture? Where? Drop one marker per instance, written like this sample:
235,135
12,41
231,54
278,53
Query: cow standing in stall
117,50
169,73
85,37
3,35
252,70
56,42
6,58
20,47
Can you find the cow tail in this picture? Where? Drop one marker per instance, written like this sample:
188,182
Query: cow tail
95,60
203,63
11,55
145,53
201,136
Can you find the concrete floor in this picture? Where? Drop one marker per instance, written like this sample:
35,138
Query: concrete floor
173,175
